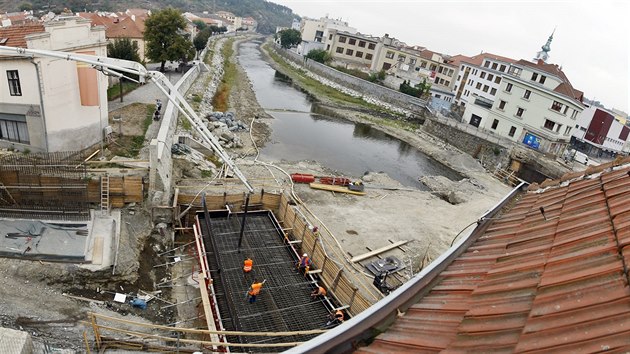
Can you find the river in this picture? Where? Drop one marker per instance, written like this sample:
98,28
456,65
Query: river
350,149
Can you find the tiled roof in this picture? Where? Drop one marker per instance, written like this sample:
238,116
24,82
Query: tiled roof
556,282
567,89
14,35
478,59
120,26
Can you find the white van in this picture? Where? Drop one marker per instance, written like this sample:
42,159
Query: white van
580,157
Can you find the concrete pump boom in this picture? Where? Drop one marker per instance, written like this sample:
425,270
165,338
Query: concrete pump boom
161,81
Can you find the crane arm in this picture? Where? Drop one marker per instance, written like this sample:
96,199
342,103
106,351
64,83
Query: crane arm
161,81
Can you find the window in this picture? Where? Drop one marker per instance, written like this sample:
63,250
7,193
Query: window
478,86
413,61
433,67
368,56
493,91
542,79
508,87
483,74
389,55
566,109
556,106
574,114
497,80
494,66
516,71
362,44
486,64
512,131
371,46
459,77
527,94
490,77
14,128
359,54
567,130
330,37
342,39
519,112
549,124
339,50
386,66
349,51
470,82
502,68
485,88
495,124
423,64
328,47
534,76
502,105
401,58
14,83
447,83
352,41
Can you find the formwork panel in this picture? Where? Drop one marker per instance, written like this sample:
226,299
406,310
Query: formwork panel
284,303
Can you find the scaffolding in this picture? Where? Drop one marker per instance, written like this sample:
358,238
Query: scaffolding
285,303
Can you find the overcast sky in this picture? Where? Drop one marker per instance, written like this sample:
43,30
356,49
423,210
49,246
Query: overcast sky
591,41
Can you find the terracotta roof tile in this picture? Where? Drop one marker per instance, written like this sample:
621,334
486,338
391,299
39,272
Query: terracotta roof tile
15,35
534,282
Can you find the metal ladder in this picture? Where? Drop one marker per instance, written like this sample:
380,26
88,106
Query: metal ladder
2,187
105,195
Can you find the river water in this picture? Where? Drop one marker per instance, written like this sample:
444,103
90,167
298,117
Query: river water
351,149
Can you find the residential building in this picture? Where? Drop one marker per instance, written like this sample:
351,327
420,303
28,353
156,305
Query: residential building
17,18
479,76
352,50
121,25
49,104
598,133
317,30
535,105
232,22
249,24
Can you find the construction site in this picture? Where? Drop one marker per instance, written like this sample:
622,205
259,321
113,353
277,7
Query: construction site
135,254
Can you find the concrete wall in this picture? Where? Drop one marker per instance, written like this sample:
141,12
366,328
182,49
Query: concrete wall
161,162
367,88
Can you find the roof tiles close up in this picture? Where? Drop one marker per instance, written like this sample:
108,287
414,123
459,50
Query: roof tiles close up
556,282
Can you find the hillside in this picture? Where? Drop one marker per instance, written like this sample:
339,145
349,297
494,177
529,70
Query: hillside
268,14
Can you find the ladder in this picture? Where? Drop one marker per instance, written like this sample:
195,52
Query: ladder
105,195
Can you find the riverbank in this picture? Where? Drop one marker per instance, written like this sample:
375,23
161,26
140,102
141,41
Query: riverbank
388,213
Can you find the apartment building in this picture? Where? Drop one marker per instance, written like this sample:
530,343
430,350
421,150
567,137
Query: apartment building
479,77
121,25
317,30
535,105
49,104
352,50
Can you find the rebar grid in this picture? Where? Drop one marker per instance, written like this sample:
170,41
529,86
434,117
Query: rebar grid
284,303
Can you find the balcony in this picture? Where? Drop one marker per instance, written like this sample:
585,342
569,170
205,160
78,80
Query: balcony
483,102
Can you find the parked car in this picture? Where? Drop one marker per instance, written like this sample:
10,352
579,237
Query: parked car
580,157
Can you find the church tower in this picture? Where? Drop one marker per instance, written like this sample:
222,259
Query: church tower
544,53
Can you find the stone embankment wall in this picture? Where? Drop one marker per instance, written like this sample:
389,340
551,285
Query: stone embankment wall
416,105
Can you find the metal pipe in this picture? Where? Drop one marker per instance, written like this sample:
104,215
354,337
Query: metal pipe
240,237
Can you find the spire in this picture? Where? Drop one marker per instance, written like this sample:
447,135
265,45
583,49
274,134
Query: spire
544,53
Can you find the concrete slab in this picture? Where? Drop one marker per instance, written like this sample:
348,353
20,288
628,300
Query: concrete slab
18,342
104,232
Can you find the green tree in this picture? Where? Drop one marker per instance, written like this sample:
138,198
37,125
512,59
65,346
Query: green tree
319,55
123,48
201,39
200,25
26,6
165,37
290,38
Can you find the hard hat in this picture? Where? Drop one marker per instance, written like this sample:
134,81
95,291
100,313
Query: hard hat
304,255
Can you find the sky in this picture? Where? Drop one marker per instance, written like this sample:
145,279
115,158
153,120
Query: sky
591,40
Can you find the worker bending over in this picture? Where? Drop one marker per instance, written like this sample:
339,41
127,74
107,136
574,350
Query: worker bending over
335,319
304,263
248,264
319,292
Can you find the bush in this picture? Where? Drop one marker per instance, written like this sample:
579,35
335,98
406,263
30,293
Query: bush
319,55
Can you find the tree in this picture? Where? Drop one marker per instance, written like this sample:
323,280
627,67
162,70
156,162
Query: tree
201,39
26,6
165,37
123,48
319,55
290,38
200,25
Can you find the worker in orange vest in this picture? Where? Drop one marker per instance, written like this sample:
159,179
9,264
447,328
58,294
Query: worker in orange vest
319,292
254,290
304,263
335,319
248,264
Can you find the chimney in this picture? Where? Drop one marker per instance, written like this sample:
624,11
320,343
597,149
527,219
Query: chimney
540,62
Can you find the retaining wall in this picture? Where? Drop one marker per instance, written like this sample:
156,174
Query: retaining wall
161,162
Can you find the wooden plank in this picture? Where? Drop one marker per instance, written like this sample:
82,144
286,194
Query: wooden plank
332,188
97,250
377,251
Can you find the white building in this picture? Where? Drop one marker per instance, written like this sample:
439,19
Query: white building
600,132
50,104
312,30
479,76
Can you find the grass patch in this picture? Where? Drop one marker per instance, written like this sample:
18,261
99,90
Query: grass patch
185,124
148,119
220,101
354,72
206,173
114,91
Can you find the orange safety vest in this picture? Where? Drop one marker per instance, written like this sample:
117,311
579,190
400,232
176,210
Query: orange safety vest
247,265
304,261
255,289
321,291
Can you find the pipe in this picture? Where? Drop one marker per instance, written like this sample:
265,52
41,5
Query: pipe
41,102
